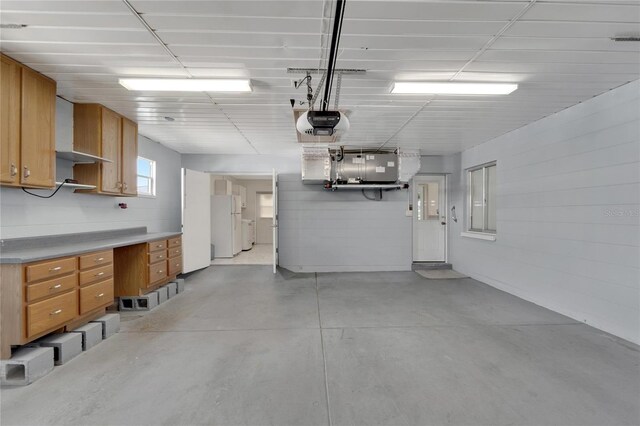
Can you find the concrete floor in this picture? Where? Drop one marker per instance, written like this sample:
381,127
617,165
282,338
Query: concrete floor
243,347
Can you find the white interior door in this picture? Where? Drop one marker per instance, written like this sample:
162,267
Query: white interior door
196,220
274,186
429,219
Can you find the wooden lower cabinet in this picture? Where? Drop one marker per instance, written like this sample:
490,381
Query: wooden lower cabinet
141,268
43,297
54,295
96,295
174,265
51,313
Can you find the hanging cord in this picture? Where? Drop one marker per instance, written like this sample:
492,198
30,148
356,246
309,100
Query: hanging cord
46,196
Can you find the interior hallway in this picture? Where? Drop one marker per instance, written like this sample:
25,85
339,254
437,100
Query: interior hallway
244,346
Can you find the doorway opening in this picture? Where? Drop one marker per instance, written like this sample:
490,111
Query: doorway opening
429,219
243,211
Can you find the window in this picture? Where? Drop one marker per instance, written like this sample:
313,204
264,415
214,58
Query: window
428,201
482,199
265,205
146,177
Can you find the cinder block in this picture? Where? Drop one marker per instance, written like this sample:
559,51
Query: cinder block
146,302
126,303
172,288
163,294
26,366
180,284
91,334
110,324
65,346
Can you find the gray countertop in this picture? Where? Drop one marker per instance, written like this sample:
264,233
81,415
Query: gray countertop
41,248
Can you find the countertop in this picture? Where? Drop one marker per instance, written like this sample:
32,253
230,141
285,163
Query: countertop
42,248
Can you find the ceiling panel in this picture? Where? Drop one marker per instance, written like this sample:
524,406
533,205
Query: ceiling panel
560,52
604,11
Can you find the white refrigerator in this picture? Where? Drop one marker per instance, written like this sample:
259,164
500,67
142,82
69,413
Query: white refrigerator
226,225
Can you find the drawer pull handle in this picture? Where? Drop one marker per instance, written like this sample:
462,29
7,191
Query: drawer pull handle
57,268
160,271
99,274
159,245
59,311
159,256
100,295
100,259
55,287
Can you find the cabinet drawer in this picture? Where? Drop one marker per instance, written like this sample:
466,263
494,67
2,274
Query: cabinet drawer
174,266
174,242
96,295
96,259
156,245
156,256
157,272
174,252
49,269
96,274
51,287
51,313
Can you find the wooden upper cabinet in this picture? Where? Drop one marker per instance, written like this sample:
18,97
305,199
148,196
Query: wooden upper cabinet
129,157
38,147
27,126
111,149
10,91
99,131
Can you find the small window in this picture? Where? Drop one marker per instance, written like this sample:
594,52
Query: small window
146,177
482,199
265,205
428,201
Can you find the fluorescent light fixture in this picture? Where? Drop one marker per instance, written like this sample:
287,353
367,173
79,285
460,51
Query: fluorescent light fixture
452,88
186,84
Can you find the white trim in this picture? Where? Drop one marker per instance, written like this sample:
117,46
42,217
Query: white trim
479,235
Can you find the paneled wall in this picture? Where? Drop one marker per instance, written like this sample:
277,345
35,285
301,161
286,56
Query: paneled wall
23,215
567,213
342,231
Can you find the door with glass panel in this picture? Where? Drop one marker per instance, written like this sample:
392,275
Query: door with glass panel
429,219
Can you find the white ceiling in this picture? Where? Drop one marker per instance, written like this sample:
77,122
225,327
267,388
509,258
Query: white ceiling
559,51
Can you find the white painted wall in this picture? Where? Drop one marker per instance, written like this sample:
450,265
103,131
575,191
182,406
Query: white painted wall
322,231
567,213
22,215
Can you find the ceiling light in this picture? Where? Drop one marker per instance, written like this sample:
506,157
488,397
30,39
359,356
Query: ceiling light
186,84
452,88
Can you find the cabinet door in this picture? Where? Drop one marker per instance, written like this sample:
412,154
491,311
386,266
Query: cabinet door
37,144
10,122
111,149
129,157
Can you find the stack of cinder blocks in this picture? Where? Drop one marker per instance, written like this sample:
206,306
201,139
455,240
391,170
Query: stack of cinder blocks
37,359
152,299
